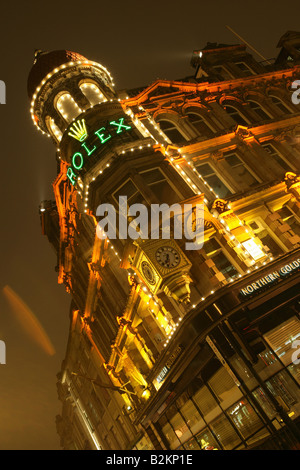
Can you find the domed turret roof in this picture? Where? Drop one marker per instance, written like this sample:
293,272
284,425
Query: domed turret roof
44,63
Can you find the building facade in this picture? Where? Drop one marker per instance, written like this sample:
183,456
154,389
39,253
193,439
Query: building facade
175,348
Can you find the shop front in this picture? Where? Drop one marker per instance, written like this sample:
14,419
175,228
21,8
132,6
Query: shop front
234,375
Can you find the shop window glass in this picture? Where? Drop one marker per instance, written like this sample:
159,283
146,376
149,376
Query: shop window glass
144,444
239,170
206,404
286,393
224,388
191,415
170,436
282,337
214,252
171,131
294,369
178,424
225,432
267,364
206,441
192,444
244,418
264,402
275,155
209,175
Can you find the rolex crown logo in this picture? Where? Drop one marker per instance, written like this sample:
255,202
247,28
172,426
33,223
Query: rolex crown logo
78,130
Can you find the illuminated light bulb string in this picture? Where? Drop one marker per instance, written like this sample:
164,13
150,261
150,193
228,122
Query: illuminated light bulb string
192,182
55,71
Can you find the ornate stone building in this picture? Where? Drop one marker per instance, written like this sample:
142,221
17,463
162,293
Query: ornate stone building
171,348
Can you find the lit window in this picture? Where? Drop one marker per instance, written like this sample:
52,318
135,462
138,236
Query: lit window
92,93
253,249
54,129
267,240
214,252
67,107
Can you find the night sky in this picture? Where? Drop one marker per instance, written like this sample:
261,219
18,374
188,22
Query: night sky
138,41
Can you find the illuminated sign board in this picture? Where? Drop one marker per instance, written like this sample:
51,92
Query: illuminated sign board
266,281
79,132
166,369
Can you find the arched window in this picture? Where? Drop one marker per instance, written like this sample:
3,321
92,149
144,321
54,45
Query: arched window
280,104
235,114
199,123
67,107
54,129
259,110
92,92
171,131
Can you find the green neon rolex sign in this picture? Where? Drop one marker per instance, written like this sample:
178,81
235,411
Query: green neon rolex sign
79,132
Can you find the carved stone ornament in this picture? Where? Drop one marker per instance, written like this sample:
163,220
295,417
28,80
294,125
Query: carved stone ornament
219,206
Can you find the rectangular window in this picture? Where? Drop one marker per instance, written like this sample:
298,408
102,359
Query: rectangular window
225,432
161,187
209,175
190,414
206,441
275,155
244,418
214,252
224,388
282,337
206,404
267,240
178,424
239,170
130,190
223,72
244,68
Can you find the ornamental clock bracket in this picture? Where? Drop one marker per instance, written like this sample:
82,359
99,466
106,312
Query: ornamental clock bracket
164,267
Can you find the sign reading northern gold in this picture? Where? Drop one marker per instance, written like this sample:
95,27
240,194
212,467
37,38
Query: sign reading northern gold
79,132
269,279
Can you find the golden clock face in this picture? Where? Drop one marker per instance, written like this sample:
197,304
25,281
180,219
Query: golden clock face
148,273
167,257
